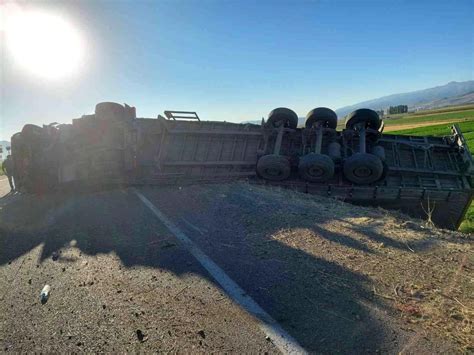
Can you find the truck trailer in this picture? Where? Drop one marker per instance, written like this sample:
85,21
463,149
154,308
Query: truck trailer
425,177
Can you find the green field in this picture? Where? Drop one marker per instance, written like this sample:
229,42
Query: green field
467,127
431,117
459,113
445,109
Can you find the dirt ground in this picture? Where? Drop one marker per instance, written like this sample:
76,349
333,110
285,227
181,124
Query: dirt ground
338,278
398,127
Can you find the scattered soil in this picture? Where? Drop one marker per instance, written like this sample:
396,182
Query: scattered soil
338,278
420,276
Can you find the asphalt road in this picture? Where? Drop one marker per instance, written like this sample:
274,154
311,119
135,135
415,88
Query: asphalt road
193,275
119,274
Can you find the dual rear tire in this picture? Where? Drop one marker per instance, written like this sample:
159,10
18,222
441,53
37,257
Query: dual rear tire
360,168
274,167
312,167
363,117
323,116
316,167
363,168
283,115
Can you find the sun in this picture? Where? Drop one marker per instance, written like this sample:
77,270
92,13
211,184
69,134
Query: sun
45,44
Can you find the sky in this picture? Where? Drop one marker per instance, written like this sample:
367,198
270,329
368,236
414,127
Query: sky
236,60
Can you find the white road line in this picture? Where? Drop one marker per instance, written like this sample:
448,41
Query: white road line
269,326
192,226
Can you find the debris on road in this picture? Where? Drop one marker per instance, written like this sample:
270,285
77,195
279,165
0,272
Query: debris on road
202,334
45,294
336,278
141,337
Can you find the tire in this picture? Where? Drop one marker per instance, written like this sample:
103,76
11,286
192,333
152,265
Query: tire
289,117
31,130
316,167
363,168
325,115
110,111
32,135
363,116
274,167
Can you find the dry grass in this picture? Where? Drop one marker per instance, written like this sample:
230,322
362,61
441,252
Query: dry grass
423,273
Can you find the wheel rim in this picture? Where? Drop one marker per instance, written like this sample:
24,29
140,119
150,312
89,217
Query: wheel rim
362,172
273,171
315,171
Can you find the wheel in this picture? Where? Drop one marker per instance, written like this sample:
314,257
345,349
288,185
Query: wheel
31,132
289,117
274,167
325,115
109,111
316,167
363,168
32,135
365,116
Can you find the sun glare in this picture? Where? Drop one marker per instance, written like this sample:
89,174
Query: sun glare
44,44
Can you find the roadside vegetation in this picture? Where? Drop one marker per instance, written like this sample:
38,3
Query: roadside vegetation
411,119
445,109
463,116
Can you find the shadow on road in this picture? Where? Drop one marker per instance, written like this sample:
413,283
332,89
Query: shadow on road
324,305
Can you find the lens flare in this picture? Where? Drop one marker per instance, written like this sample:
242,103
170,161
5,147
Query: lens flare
45,44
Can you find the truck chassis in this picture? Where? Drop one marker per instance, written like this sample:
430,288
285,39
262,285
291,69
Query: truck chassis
427,177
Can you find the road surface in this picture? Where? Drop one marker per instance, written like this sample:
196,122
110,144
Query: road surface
221,268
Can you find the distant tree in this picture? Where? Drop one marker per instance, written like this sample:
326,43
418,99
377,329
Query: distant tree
398,109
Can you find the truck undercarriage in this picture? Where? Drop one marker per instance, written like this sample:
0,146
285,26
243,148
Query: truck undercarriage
427,177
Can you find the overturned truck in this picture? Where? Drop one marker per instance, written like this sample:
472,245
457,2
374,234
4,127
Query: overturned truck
422,176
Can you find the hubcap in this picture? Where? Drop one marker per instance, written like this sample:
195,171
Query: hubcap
362,172
315,170
273,171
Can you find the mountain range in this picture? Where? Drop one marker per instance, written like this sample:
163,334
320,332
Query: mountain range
452,93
